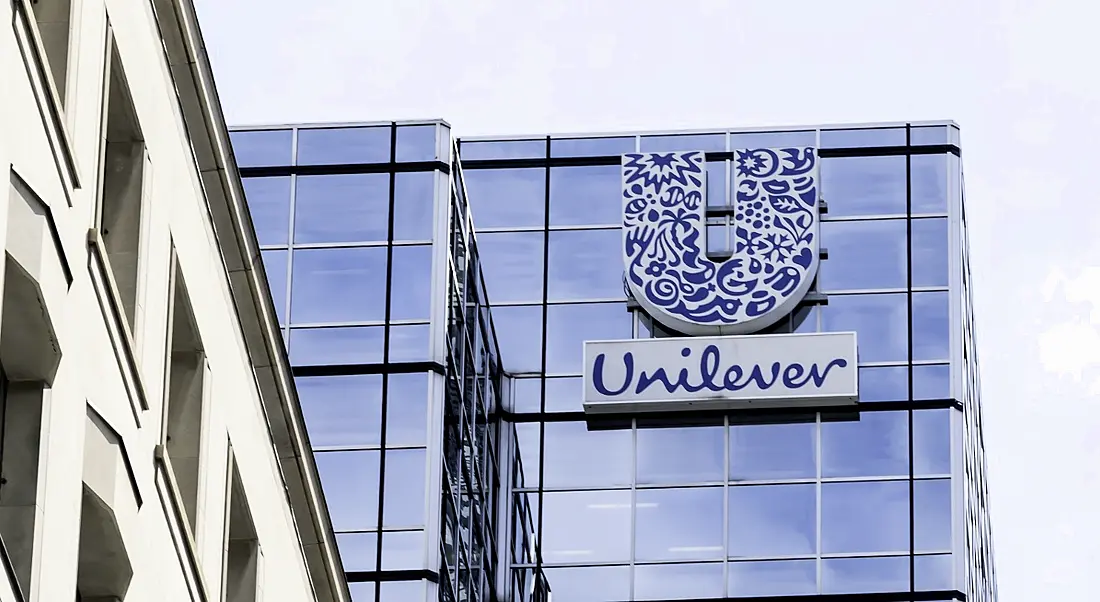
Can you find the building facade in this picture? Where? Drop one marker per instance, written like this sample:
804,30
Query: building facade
151,443
436,297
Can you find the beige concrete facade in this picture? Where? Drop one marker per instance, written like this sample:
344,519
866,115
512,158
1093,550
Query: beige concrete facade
152,446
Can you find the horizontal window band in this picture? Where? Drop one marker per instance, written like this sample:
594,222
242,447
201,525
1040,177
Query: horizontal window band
373,368
343,169
399,575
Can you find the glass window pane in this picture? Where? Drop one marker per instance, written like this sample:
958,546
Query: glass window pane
414,205
406,410
679,524
410,342
773,451
359,552
502,149
361,591
519,334
585,264
403,551
585,526
932,442
863,185
564,394
930,135
684,142
404,488
681,455
338,146
527,395
507,198
416,143
575,456
678,581
772,520
869,516
591,147
261,148
275,271
866,254
336,346
876,445
569,326
511,263
527,440
589,584
350,483
932,515
880,322
402,591
745,140
342,411
341,208
884,384
861,138
865,575
586,195
773,578
931,326
932,382
338,285
929,177
930,246
932,573
411,289
716,195
268,202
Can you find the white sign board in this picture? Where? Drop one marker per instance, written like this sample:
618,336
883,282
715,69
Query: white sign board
782,370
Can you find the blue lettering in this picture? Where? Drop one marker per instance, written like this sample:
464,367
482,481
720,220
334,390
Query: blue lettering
597,375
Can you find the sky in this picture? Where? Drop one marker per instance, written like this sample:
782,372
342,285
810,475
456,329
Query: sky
1019,77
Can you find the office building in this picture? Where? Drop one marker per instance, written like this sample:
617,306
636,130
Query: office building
437,295
152,445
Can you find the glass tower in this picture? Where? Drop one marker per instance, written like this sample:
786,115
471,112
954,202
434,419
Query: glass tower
435,295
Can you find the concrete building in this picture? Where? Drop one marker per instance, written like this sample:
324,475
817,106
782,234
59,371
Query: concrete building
152,443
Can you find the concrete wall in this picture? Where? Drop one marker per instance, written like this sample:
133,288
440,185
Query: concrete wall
97,438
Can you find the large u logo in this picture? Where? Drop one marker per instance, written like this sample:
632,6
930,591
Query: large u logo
774,243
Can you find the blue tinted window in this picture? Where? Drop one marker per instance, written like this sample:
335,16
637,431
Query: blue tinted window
502,149
416,143
575,456
586,195
269,205
350,482
519,334
932,515
341,208
333,346
875,445
679,524
930,248
342,411
932,382
261,148
871,516
338,285
773,451
585,264
932,573
716,185
402,551
527,395
932,442
506,198
923,136
681,455
414,205
771,139
884,384
404,488
275,270
511,263
410,343
773,578
564,394
863,185
411,289
359,552
678,581
772,520
864,255
866,137
336,146
593,525
406,410
880,323
402,591
569,326
590,584
684,142
527,438
361,591
929,183
864,575
931,326
591,147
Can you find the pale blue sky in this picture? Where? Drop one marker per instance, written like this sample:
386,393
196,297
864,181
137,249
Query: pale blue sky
1018,76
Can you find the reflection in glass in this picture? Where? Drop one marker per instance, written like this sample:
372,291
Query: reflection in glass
863,185
589,584
576,456
413,205
880,322
564,394
772,520
684,142
403,550
404,488
406,410
931,326
716,194
681,455
884,384
876,445
930,247
341,208
677,581
932,573
569,326
359,552
868,254
773,451
402,591
586,195
585,264
344,411
527,439
932,382
268,202
275,270
361,591
519,334
336,146
929,135
929,177
506,198
350,482
772,139
678,524
773,578
512,265
932,515
526,395
334,346
261,148
416,143
932,442
338,285
502,149
409,343
864,137
591,147
411,289
585,526
867,516
864,575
